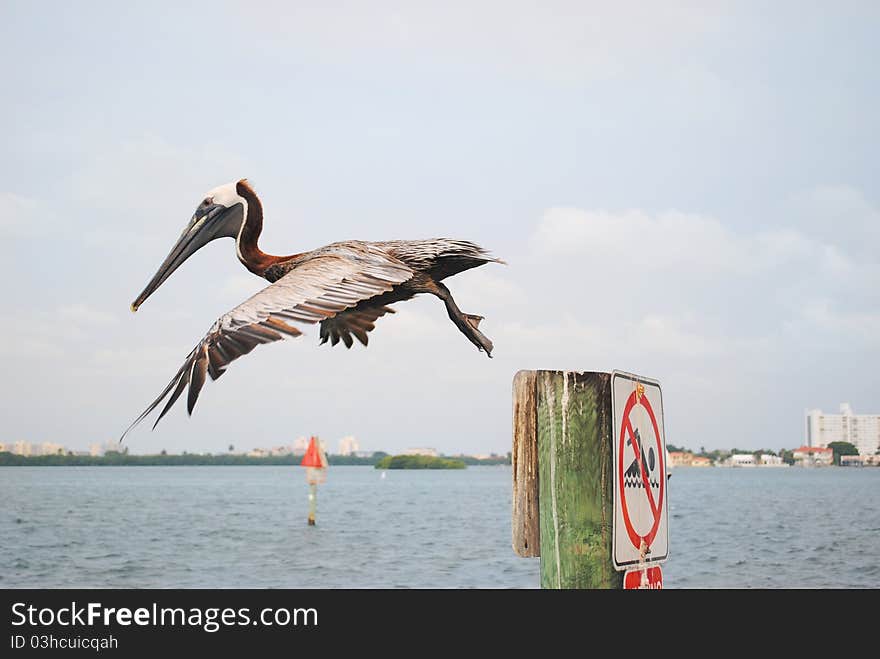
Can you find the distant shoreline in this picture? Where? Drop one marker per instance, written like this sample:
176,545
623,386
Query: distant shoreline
201,460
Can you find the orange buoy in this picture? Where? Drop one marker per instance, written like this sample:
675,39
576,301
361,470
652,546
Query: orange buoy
315,463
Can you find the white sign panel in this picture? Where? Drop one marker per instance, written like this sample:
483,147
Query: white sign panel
639,444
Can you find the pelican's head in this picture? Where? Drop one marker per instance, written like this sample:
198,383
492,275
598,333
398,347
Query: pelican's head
220,214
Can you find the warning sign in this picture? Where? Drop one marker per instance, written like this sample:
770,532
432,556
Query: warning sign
641,532
647,578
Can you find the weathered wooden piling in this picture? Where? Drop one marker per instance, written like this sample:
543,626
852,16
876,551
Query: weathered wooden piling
526,531
563,499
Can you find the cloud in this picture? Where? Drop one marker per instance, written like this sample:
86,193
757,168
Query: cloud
840,215
133,183
562,40
632,244
24,217
83,316
119,196
841,326
642,241
720,315
76,339
49,333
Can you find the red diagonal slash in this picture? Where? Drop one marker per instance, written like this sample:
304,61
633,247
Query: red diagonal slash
635,445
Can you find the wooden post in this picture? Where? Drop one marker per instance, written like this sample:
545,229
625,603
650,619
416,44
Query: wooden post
526,531
570,438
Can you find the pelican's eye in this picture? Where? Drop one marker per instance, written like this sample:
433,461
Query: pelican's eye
207,201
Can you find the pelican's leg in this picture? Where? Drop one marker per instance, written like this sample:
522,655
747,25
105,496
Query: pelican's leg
465,322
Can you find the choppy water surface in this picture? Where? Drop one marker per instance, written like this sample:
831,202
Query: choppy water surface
166,527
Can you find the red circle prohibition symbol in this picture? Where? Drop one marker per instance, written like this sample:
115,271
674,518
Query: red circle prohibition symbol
656,507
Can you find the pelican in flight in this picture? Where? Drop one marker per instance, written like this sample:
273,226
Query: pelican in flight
344,286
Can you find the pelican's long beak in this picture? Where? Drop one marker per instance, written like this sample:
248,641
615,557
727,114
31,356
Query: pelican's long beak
206,224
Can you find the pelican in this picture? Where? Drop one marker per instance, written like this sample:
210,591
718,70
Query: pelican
344,286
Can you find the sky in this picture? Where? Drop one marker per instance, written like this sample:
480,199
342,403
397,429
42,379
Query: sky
687,191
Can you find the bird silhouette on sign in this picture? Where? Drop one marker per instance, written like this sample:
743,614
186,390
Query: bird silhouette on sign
345,287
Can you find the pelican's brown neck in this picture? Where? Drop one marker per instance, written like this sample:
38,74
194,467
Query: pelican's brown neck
253,258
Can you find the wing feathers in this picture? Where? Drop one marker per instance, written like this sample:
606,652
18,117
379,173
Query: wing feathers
322,288
197,378
357,321
181,383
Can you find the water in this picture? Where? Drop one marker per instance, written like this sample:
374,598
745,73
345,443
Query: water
233,527
774,528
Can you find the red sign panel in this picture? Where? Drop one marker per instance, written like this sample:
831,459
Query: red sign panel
650,578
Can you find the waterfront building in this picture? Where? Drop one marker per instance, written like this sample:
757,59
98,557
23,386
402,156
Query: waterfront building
741,460
860,430
680,458
28,449
348,445
431,452
103,449
813,456
300,445
771,460
687,459
22,448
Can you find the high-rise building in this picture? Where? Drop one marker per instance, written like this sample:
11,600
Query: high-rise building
300,445
22,448
860,430
348,445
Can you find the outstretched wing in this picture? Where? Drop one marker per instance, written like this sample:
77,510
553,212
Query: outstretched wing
317,289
